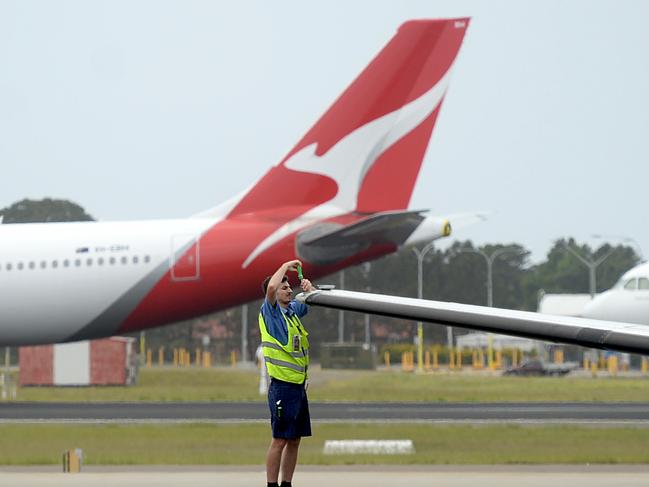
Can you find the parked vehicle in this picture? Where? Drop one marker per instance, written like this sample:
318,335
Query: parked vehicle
539,367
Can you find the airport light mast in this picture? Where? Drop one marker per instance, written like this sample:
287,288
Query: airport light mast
591,264
623,239
489,259
421,254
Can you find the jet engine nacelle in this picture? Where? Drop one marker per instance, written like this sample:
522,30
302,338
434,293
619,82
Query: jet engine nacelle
431,228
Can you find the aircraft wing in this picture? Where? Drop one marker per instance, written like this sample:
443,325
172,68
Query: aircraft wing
609,335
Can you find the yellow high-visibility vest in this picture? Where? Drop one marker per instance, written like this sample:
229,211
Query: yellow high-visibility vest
288,362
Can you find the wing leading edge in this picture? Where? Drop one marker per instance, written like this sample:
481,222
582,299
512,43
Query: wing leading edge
609,335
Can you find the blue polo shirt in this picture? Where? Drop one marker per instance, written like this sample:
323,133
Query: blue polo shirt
274,320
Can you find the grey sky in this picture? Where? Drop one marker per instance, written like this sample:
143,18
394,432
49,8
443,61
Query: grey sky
158,109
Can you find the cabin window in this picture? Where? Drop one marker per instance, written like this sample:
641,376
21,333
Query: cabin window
55,264
66,263
9,267
111,261
135,259
77,262
43,264
89,262
100,261
32,265
20,266
147,259
124,260
631,284
643,283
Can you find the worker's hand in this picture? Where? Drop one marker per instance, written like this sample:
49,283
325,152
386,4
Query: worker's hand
291,265
306,286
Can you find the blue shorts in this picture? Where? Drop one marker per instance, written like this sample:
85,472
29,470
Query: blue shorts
289,410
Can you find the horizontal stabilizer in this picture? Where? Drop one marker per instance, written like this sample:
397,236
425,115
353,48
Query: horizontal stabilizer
330,242
386,227
609,335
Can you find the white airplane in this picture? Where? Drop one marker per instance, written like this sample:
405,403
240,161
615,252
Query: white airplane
614,320
339,198
627,300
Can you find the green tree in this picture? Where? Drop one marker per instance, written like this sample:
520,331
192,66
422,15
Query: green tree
44,211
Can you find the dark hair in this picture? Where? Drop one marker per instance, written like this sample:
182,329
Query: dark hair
264,285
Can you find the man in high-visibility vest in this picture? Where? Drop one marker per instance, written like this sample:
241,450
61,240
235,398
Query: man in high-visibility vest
286,353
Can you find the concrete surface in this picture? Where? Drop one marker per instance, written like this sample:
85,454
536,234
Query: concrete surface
356,476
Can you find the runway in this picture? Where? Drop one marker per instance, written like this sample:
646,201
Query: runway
228,412
342,476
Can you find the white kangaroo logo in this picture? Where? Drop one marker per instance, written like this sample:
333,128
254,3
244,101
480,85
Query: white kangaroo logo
351,158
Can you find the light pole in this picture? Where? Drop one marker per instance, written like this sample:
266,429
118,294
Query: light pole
489,259
421,254
367,266
244,333
592,266
623,239
341,313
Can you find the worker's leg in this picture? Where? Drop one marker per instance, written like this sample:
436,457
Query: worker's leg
274,458
289,459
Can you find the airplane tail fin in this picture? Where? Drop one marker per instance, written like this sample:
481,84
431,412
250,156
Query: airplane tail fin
365,152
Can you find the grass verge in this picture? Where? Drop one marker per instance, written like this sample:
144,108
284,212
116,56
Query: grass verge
220,384
245,444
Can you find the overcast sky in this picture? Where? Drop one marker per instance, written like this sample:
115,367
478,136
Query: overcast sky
159,109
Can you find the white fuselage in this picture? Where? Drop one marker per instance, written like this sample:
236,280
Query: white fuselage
627,301
55,278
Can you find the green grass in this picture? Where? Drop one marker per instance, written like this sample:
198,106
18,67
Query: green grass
222,384
160,384
242,444
397,386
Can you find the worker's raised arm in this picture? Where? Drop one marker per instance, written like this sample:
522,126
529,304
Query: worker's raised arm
276,279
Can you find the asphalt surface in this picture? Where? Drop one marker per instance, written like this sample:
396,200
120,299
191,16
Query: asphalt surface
633,413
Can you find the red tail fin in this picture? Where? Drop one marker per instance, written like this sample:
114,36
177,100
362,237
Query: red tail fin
365,152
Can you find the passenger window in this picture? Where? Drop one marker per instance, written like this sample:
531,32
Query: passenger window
124,260
9,267
147,259
77,262
20,266
100,261
66,263
32,265
89,262
135,259
55,264
111,261
43,264
643,283
630,285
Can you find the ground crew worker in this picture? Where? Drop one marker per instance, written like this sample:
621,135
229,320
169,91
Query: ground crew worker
286,354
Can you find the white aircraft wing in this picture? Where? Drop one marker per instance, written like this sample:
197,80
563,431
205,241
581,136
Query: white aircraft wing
609,335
